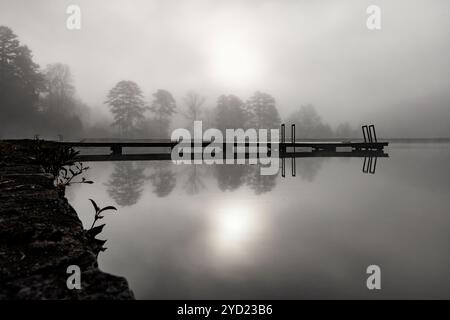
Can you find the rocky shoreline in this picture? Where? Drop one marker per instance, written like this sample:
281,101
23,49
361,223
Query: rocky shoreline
41,235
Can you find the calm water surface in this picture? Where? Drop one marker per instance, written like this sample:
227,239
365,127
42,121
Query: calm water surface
185,231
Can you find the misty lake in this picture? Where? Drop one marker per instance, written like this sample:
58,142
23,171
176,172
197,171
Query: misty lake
224,231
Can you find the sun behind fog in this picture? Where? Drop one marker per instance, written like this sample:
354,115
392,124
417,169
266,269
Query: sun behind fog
234,60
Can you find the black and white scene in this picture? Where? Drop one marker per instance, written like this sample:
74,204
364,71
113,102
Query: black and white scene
224,150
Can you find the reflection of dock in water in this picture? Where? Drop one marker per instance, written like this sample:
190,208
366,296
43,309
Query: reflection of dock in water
167,156
369,149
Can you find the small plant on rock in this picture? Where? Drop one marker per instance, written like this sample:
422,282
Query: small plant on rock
67,175
95,230
60,161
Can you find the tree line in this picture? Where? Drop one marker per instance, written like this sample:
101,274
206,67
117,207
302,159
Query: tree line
259,111
35,101
32,100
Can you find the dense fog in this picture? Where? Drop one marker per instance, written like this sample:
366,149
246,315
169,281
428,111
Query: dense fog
139,69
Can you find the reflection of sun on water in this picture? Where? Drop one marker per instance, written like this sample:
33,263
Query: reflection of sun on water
233,225
234,229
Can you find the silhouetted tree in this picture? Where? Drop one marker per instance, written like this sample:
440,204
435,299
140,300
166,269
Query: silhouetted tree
126,182
163,105
309,124
20,83
146,127
127,105
59,105
263,113
59,87
193,102
194,107
230,113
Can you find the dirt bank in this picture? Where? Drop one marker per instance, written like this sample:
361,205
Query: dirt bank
41,235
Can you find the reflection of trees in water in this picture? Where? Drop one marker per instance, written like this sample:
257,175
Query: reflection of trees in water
125,183
194,182
308,168
163,179
259,183
230,177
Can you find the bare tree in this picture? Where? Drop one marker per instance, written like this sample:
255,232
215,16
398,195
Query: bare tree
310,124
194,103
60,91
163,105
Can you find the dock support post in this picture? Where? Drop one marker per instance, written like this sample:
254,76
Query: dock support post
293,167
370,164
364,128
372,129
366,165
373,166
293,137
283,138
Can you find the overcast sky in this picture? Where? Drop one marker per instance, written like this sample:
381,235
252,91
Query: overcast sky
318,52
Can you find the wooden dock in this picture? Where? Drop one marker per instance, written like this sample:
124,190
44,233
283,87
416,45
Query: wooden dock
116,146
162,148
285,150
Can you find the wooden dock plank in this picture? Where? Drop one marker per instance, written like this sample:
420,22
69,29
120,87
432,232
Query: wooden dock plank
171,144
